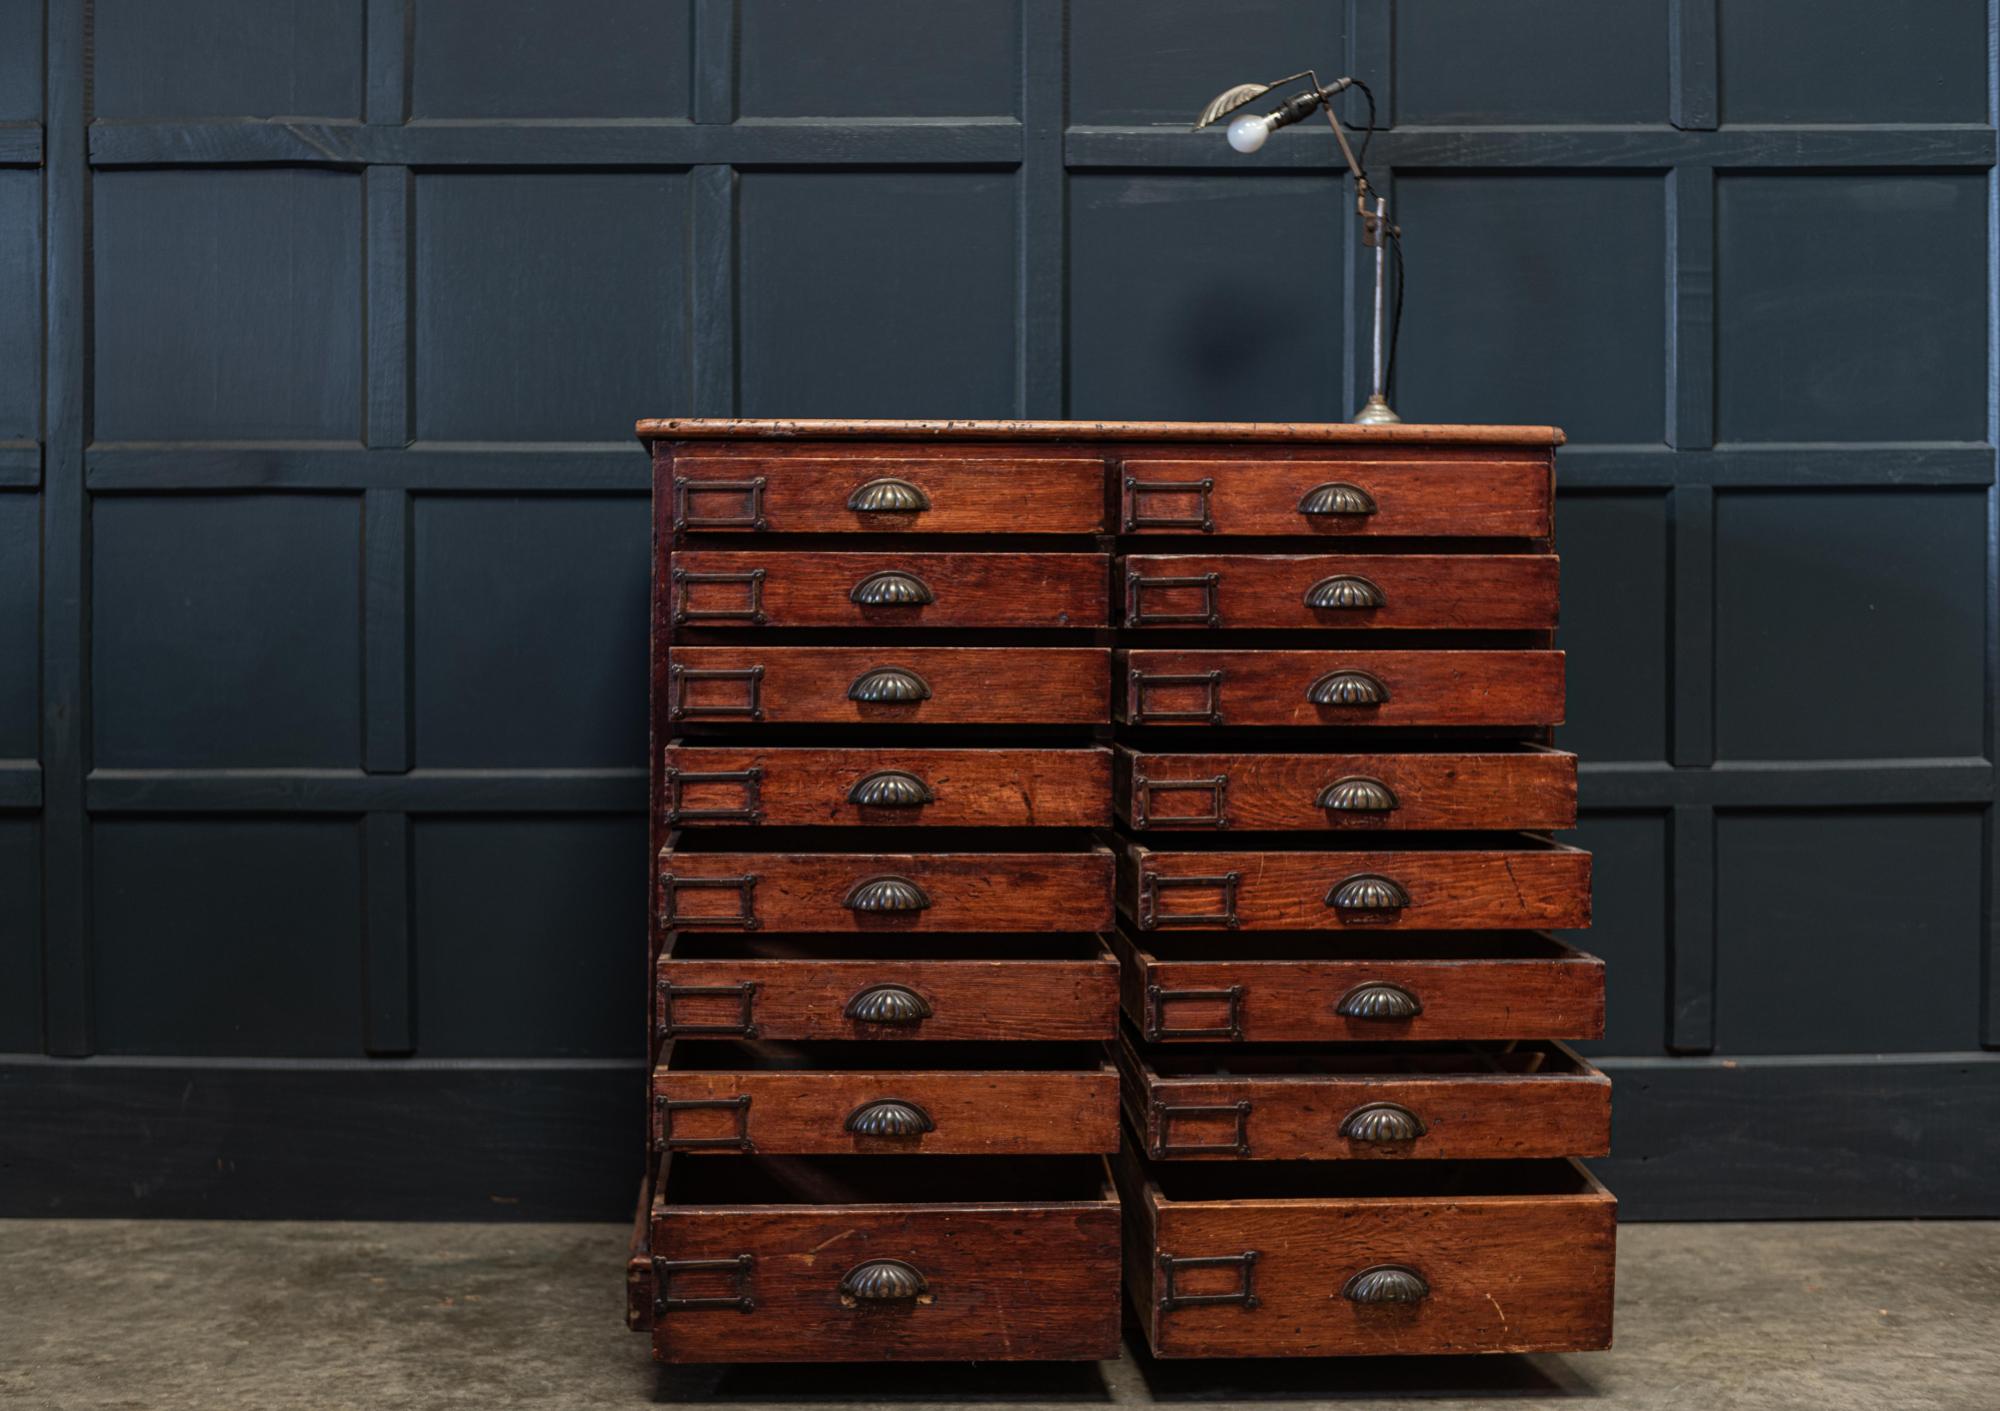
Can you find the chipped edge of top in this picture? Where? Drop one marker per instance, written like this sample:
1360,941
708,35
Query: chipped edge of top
1332,433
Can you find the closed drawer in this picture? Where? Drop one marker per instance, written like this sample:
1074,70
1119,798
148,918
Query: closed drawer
1443,882
1407,1102
1514,787
887,491
1344,688
1339,1259
1462,591
706,884
861,1259
887,787
725,1096
906,685
1310,989
713,589
885,988
1499,495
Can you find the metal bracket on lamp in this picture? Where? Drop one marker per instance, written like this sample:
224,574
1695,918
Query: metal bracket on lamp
1247,134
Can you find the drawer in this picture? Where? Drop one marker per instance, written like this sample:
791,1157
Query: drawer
1407,1102
956,1099
1506,786
1461,591
885,987
1520,688
1485,494
887,787
810,589
887,491
1441,882
1334,1259
904,685
1308,989
789,1259
639,1258
765,881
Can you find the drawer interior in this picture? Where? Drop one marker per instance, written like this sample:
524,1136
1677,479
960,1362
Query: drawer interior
860,1055
1249,841
1282,947
884,840
1369,1060
1362,1180
870,1180
932,948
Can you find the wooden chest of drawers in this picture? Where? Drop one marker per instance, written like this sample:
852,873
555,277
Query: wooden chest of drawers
1097,847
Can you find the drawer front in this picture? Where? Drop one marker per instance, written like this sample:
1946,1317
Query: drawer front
992,1282
1464,591
1481,890
887,787
1501,1273
1476,496
888,493
937,1112
855,892
736,590
1354,688
906,685
1560,1108
1220,1000
888,999
1531,790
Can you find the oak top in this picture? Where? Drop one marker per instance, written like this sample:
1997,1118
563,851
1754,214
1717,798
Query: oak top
1332,433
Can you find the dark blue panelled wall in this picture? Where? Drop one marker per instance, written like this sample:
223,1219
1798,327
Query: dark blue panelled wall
323,557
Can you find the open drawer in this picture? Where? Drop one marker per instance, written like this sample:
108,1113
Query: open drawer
1358,1102
858,1259
1286,1259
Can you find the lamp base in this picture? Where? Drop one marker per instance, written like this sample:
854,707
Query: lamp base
1376,412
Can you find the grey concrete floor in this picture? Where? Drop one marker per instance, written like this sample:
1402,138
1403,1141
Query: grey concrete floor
220,1316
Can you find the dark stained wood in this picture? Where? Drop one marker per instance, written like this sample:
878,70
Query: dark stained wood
1494,688
639,1259
814,589
1525,1265
981,1100
996,788
1466,591
969,685
1529,787
796,993
982,891
994,492
1291,1104
1496,888
1504,495
1505,985
1016,1266
1331,433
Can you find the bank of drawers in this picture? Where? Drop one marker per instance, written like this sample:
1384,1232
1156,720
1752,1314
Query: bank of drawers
1004,786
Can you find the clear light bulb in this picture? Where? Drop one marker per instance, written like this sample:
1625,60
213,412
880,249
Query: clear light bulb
1248,134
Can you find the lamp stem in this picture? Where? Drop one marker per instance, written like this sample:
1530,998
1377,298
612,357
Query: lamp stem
1377,411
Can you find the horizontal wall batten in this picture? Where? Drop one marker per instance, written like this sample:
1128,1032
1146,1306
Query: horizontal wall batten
20,465
1944,145
20,144
1858,783
464,466
20,784
351,791
1775,466
668,142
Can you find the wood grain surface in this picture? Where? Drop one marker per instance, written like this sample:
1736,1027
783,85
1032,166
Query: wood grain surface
1335,433
991,492
993,788
810,588
968,685
1495,688
1464,591
1499,496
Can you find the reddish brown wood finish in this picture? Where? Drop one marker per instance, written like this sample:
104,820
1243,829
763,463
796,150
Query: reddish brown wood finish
982,891
1530,788
1296,1104
809,685
786,991
1494,688
1012,1271
1502,986
993,788
1496,495
1478,889
787,431
1030,1111
639,1259
1464,591
1526,1268
770,588
780,491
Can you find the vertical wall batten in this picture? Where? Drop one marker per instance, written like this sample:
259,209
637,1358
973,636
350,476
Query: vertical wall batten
1041,375
1692,63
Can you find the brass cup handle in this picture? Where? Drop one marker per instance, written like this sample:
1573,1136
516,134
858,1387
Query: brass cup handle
1336,497
884,1281
1357,793
1368,891
878,894
1346,591
1379,1000
888,495
891,588
889,1117
890,788
1348,688
887,685
888,1004
1382,1122
1386,1283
